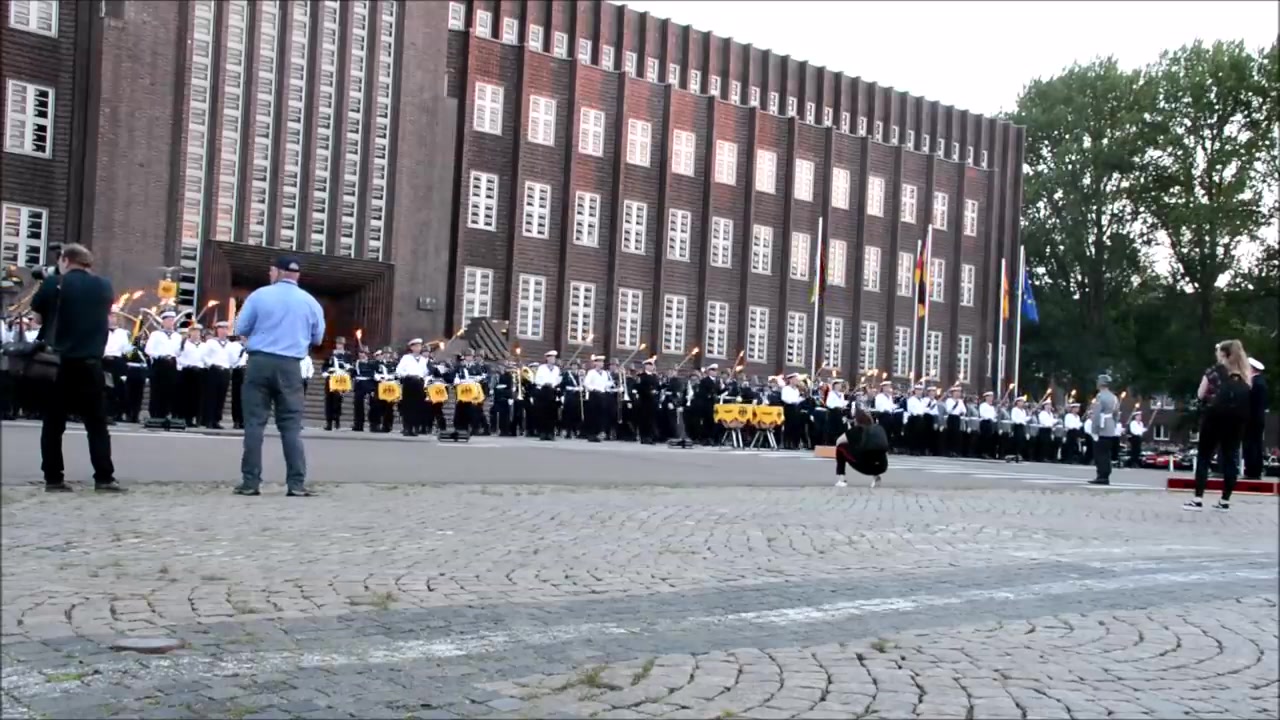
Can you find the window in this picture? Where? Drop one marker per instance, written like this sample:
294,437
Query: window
1160,433
833,342
844,122
1162,402
584,50
906,274
582,312
682,147
911,139
862,126
804,180
695,81
586,219
964,358
879,134
773,103
29,119
37,16
674,309
762,249
488,112
482,208
907,213
537,210
639,140
901,350
457,16
630,309
971,217
754,96
591,132
955,151
984,159
940,210
937,279
726,162
840,188
836,260
713,86
871,269
893,135
477,294
968,155
735,92
868,346
542,120
673,74
630,61
25,233
942,144
968,273
651,69
561,45
757,334
796,326
510,31
678,223
606,57
875,196
535,37
924,143
766,171
826,116
800,256
791,106
635,221
933,355
810,113
721,242
717,340
532,309
484,24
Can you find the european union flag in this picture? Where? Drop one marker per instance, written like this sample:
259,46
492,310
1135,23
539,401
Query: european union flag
1029,311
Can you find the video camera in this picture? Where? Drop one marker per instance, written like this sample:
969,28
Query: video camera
39,273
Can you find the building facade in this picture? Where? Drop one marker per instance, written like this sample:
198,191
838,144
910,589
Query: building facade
605,180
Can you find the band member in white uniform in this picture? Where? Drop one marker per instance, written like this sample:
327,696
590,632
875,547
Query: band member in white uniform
1136,430
836,408
1075,431
1018,419
237,381
162,350
955,410
1045,448
191,374
916,409
792,415
220,354
113,361
412,371
545,382
597,385
987,426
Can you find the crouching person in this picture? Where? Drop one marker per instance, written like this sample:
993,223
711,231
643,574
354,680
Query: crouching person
865,447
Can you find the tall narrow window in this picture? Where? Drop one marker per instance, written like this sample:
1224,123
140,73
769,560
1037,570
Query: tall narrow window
804,180
679,223
726,162
532,308
477,294
757,334
875,196
840,188
378,177
639,142
971,217
482,205
510,31
591,132
635,219
937,279
353,194
716,344
797,323
674,317
327,89
800,256
933,355
762,249
24,236
968,278
586,219
833,342
683,143
901,351
836,260
537,210
940,211
234,86
582,312
295,128
195,153
906,274
630,310
964,358
766,171
264,124
907,213
868,346
542,120
871,268
721,242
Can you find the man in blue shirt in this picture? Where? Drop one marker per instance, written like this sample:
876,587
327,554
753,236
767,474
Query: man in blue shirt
279,324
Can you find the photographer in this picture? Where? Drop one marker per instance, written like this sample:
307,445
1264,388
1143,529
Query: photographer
74,306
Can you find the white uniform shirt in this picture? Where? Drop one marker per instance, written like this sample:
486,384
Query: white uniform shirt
1088,428
987,411
411,365
1018,416
1047,420
118,344
955,406
190,354
884,403
1136,428
163,344
307,367
547,374
916,406
241,357
836,401
597,381
220,353
31,334
791,395
1071,421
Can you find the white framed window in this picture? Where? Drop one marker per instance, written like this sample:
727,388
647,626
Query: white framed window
804,180
630,63
535,37
735,92
762,249
844,122
510,30
674,317
933,355
586,219
901,350
591,132
1163,402
721,242
837,259
683,144
968,155
791,106
833,342
879,133
911,139
875,196
542,120
773,103
840,188
484,24
713,85
584,50
968,279
482,205
984,159
606,57
942,145
36,16
28,119
198,154
630,310
488,109
695,81
955,151
971,217
871,268
826,116
673,74
797,325
766,171
25,235
893,135
265,130
726,171
940,210
716,343
582,312
651,69
868,346
537,210
964,358
639,141
295,128
906,274
810,113
757,334
635,221
862,125
924,143
907,212
679,223
477,293
754,96
1160,433
937,279
560,45
532,307
457,16
800,256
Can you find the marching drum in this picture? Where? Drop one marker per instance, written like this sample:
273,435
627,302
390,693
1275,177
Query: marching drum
1059,432
972,424
340,382
471,393
1006,427
389,391
438,393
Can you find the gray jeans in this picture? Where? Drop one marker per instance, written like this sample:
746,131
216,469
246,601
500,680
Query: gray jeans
272,380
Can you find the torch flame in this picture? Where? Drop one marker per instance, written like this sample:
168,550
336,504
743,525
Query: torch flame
211,303
359,334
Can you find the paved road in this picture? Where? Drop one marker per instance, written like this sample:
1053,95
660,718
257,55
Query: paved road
942,594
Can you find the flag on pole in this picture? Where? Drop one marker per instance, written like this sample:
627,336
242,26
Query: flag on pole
1029,309
819,264
1004,294
922,275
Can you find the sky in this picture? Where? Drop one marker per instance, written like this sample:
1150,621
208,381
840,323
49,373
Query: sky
981,54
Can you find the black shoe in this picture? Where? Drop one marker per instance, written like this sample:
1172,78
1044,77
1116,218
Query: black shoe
1099,481
300,493
247,492
111,487
60,487
217,426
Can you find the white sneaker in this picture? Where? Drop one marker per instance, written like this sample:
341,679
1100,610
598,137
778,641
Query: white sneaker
841,483
875,481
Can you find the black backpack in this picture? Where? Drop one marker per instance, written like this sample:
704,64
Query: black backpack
1232,398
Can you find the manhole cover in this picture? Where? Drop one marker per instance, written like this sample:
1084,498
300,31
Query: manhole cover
151,646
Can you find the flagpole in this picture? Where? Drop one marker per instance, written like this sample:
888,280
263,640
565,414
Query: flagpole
915,318
1000,334
817,297
1017,326
928,290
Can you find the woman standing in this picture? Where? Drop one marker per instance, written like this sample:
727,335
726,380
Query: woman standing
1224,399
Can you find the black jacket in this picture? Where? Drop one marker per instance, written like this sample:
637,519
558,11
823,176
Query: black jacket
1258,399
79,318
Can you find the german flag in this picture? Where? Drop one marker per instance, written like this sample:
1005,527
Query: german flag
922,274
1004,295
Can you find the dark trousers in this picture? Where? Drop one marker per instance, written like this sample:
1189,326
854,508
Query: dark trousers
1019,441
953,435
500,415
1102,456
216,382
413,401
987,435
1253,448
463,416
273,382
332,407
135,384
545,409
237,403
77,391
1220,436
1135,451
190,381
364,389
164,388
117,398
646,417
871,463
432,416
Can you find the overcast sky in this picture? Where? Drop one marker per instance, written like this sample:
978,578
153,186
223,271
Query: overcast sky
979,54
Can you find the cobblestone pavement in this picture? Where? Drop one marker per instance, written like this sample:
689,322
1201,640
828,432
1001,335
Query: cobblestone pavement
520,601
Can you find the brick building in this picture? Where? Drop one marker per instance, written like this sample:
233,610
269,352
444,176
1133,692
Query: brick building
599,177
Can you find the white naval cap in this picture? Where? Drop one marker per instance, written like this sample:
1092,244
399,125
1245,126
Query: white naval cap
886,382
416,341
551,353
716,366
168,314
222,324
195,326
1253,362
789,376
